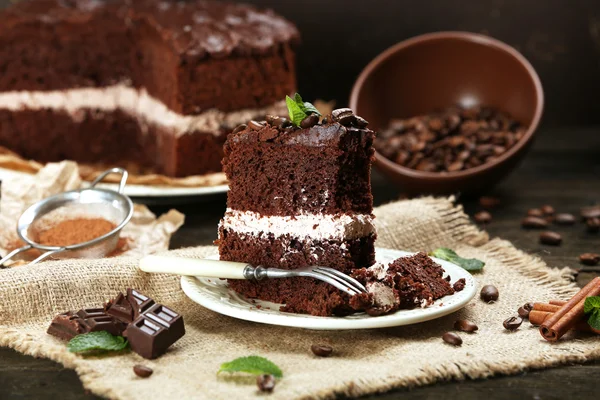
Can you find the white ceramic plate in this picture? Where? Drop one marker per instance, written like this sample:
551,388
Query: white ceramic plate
215,295
143,191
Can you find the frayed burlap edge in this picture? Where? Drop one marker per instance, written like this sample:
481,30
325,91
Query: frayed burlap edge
559,281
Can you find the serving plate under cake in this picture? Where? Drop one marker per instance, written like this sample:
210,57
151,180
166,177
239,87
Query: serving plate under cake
142,191
216,296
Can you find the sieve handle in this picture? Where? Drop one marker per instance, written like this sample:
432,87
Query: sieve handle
14,253
122,171
193,267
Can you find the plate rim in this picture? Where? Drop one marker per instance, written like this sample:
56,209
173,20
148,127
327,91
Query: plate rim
190,283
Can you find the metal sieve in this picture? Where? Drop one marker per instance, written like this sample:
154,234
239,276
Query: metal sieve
89,202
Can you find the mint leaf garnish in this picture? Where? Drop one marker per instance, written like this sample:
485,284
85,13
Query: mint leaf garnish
96,341
254,365
591,304
470,264
592,307
299,109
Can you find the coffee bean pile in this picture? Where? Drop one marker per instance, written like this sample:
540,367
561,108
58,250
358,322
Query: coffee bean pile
452,140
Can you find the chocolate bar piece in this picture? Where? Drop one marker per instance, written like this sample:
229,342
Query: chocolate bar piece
154,331
120,308
96,320
139,302
66,326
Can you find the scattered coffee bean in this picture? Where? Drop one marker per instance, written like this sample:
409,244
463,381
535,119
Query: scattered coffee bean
593,225
452,140
528,306
254,125
142,371
464,325
281,123
489,202
489,293
309,121
321,350
564,219
548,210
452,338
483,217
534,223
589,259
523,312
535,212
512,323
550,238
271,119
343,115
590,212
265,383
240,128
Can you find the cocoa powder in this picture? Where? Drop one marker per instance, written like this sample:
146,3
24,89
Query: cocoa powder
74,231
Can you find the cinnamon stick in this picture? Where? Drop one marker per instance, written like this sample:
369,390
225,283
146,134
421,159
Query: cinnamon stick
537,318
558,302
546,307
560,322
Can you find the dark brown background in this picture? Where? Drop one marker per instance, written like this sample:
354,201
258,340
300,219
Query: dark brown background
561,38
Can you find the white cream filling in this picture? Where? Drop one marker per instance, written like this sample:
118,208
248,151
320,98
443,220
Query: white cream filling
136,102
310,226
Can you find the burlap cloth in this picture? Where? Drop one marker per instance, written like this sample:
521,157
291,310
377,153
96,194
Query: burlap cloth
364,361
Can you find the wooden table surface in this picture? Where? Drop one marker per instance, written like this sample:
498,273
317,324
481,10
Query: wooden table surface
563,169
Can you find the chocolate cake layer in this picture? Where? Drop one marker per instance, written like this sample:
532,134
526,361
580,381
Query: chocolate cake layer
288,252
192,55
321,170
113,137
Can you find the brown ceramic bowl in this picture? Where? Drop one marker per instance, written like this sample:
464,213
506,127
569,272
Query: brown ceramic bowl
439,70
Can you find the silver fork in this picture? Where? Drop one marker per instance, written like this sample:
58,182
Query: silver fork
237,270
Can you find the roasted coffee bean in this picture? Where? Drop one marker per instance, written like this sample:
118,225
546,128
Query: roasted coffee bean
548,209
341,113
426,165
528,306
240,128
361,122
464,325
590,212
512,323
564,219
142,371
589,259
255,125
489,202
321,350
550,238
593,225
309,121
270,119
455,166
535,212
281,123
452,338
483,217
534,223
523,312
489,293
265,383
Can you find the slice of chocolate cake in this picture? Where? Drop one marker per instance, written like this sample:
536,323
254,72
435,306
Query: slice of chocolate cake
408,282
300,195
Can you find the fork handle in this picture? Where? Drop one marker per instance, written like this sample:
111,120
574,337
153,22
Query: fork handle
194,267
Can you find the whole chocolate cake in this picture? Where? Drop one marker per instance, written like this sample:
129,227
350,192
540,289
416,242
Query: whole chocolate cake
151,83
299,196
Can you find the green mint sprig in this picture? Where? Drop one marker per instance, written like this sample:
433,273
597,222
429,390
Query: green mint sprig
469,264
592,307
97,342
299,109
254,365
